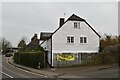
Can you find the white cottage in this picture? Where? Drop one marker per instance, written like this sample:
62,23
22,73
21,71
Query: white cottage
70,42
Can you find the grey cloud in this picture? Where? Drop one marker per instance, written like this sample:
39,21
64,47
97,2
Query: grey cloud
26,18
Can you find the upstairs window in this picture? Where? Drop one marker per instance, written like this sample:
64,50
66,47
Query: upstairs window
70,39
77,25
83,39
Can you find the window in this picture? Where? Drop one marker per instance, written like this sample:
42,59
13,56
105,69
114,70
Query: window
70,39
76,24
83,39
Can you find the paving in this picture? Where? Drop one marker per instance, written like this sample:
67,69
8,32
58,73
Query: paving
68,72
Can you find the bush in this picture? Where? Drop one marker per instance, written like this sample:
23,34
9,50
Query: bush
95,59
110,55
31,59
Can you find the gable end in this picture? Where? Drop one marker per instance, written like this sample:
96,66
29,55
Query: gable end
72,18
92,29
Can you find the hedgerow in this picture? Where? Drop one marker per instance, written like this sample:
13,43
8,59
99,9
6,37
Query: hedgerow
31,59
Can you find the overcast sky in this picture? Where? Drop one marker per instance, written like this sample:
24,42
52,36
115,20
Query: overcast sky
23,19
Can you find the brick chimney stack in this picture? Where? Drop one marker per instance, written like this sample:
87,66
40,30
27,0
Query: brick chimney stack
61,22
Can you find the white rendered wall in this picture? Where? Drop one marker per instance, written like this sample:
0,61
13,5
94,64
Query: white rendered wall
60,45
47,47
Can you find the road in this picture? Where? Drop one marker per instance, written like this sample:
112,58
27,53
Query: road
103,73
15,72
4,76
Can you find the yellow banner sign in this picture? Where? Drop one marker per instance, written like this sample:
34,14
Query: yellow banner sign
66,57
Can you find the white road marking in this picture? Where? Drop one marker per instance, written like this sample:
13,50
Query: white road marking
6,74
14,72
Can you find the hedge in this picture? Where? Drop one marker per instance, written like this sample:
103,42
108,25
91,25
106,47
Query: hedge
95,59
31,59
104,58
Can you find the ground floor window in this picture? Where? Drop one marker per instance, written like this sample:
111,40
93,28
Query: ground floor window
70,39
83,39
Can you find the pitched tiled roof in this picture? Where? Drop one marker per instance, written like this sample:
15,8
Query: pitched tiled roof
75,18
45,35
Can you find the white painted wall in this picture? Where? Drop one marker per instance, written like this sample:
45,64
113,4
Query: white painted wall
47,47
59,39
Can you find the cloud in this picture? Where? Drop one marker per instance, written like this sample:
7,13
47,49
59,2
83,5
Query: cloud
26,18
0,19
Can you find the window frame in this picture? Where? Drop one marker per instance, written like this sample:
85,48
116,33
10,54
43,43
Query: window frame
83,40
77,25
70,40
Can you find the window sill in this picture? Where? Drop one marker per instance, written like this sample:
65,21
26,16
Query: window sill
70,43
83,43
76,28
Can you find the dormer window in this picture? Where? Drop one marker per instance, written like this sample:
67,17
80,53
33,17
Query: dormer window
77,25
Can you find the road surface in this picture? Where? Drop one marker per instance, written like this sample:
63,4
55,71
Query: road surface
105,73
102,73
15,72
4,75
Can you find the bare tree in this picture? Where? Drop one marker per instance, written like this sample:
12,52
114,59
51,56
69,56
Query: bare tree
5,45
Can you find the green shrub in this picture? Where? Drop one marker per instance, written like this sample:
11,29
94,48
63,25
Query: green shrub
95,59
110,55
31,59
106,57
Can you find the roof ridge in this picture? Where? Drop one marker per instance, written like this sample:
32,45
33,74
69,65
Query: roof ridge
75,17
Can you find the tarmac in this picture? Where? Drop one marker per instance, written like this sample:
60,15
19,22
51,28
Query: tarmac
70,72
37,71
